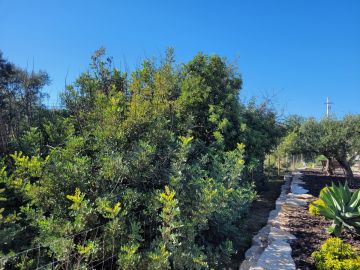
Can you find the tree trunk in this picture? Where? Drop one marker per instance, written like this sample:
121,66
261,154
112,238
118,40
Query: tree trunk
293,163
346,166
278,166
329,167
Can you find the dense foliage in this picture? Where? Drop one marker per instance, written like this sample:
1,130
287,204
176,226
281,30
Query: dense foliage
313,209
140,171
334,254
20,103
261,132
285,153
335,139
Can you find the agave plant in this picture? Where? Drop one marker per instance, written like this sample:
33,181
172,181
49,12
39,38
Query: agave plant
342,206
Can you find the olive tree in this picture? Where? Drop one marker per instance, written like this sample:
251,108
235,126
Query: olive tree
335,139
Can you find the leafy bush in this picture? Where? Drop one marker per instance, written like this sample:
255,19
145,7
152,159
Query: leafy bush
313,210
146,169
341,206
334,254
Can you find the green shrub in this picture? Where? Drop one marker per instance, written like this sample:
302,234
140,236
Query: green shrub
313,209
154,163
334,254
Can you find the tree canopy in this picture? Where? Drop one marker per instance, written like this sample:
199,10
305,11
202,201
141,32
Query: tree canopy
336,139
20,102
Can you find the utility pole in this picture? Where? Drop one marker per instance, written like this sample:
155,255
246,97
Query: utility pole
328,107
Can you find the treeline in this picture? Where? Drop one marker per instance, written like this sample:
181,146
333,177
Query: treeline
149,170
20,103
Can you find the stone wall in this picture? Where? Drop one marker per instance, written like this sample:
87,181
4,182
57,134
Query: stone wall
271,248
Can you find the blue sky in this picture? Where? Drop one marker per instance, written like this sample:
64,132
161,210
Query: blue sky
298,52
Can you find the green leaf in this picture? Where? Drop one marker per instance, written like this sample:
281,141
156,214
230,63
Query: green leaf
355,200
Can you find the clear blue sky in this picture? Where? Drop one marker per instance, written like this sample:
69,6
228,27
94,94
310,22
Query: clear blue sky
300,51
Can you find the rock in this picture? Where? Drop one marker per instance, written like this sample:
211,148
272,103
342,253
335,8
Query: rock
273,215
252,256
260,239
296,189
295,185
296,202
277,234
254,252
271,245
277,256
298,199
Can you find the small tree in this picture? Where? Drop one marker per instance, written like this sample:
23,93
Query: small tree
20,102
261,134
335,139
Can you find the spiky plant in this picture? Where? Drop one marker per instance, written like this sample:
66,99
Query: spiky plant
342,206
